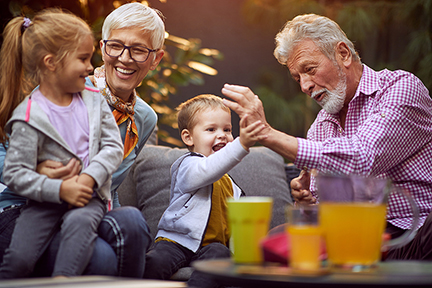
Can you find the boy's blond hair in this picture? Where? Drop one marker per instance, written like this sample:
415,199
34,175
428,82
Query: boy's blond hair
187,111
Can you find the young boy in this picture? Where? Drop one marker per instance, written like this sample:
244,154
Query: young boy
194,226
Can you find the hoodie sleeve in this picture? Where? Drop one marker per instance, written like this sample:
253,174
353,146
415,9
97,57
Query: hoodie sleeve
196,172
20,167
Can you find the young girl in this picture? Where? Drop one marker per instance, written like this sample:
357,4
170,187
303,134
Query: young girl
60,120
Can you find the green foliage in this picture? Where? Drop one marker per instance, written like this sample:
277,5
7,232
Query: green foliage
275,12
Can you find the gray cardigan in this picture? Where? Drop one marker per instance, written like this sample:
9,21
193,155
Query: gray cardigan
37,140
192,177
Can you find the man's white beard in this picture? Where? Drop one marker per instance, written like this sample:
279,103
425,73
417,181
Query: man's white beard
334,100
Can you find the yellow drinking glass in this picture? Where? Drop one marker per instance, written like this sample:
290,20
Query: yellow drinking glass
249,221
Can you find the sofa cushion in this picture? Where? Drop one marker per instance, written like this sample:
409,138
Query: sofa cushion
147,187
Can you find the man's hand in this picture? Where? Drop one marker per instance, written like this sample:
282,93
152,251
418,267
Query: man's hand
75,193
245,103
300,188
56,170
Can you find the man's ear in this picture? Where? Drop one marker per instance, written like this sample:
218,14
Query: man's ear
186,137
343,54
49,62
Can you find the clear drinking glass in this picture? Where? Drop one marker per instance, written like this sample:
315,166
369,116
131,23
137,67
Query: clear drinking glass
353,218
305,235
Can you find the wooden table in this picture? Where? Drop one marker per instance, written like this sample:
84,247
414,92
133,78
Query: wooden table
386,274
91,282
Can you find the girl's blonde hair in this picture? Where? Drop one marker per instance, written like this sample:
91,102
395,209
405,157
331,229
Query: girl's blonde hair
52,31
188,110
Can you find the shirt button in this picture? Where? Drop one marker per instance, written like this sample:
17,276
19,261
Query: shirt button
340,130
382,115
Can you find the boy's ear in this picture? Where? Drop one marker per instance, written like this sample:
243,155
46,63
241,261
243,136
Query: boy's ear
186,137
49,62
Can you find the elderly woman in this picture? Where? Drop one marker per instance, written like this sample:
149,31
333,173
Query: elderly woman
132,41
131,45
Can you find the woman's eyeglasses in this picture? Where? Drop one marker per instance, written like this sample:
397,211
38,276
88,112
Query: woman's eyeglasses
138,53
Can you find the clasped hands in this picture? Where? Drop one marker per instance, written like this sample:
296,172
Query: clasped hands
248,105
77,190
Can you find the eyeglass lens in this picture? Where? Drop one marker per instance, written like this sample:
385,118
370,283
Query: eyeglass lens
137,53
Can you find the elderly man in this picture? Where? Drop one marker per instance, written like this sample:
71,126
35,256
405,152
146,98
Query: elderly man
372,123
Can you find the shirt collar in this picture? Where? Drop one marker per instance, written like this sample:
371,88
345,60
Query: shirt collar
369,82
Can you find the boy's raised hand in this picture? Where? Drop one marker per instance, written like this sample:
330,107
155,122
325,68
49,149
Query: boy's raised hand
250,134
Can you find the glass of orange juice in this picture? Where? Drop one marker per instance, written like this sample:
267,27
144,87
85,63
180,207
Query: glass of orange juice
305,237
353,232
353,219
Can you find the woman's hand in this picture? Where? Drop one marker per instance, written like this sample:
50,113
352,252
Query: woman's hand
56,170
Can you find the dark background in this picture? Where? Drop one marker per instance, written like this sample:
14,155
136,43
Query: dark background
393,34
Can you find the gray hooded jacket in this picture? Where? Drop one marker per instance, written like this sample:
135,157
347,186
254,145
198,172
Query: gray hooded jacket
36,140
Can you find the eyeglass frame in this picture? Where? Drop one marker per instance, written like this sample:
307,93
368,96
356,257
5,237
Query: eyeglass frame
128,48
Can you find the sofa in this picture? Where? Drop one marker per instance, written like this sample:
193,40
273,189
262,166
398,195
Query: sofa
261,173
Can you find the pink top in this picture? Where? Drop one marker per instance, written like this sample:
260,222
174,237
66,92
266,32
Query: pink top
71,122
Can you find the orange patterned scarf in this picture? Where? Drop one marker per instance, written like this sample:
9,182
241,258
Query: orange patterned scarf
123,111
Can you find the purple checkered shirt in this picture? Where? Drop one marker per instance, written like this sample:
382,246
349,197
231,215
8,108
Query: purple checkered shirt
388,133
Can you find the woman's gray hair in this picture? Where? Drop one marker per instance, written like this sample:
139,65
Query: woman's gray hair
136,15
324,32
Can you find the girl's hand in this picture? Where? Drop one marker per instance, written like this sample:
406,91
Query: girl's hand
250,134
75,193
86,180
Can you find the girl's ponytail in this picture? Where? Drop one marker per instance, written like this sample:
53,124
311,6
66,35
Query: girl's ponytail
11,69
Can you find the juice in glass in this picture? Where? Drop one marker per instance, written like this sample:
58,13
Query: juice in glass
353,232
305,246
249,221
